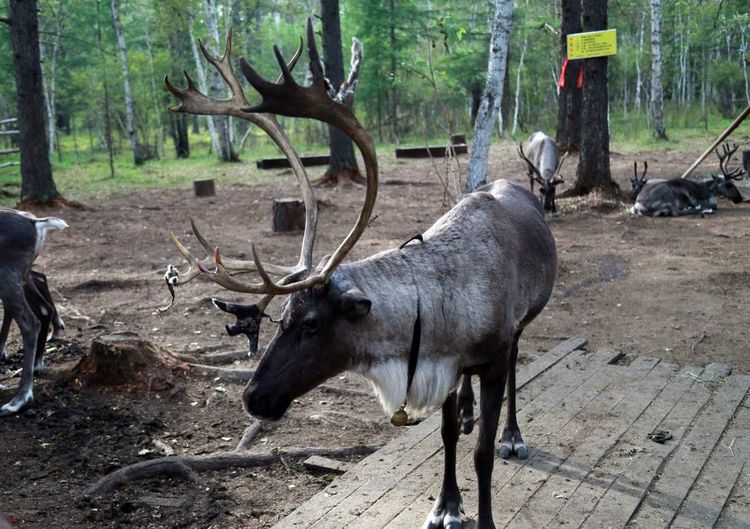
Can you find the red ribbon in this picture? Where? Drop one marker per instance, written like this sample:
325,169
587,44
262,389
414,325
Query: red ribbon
563,70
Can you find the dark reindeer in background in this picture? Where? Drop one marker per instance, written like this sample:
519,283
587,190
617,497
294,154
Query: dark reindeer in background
25,296
681,196
543,164
467,289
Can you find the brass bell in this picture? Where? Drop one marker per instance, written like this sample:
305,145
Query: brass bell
400,417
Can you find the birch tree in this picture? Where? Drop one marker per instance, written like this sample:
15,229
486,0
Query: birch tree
49,60
659,129
519,72
492,96
203,84
218,89
140,154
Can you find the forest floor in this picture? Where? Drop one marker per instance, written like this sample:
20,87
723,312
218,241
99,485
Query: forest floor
673,288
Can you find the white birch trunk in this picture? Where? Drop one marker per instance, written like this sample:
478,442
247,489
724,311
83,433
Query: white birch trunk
743,58
203,84
657,94
493,95
154,98
50,78
639,76
517,99
217,88
130,122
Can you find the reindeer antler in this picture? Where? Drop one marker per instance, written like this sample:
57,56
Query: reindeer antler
724,157
538,176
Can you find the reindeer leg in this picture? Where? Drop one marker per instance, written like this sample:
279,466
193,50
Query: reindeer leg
43,311
466,405
15,303
58,325
511,441
7,319
446,512
491,399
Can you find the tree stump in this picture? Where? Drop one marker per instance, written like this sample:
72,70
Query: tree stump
288,215
126,359
204,188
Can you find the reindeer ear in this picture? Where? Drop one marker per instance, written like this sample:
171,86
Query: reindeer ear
354,304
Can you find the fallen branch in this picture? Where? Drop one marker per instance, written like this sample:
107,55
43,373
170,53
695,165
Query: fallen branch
231,375
345,391
213,359
187,467
337,417
251,432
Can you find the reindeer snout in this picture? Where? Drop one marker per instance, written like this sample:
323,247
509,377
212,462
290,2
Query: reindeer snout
264,404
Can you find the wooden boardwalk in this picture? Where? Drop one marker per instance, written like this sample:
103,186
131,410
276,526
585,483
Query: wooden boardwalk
586,419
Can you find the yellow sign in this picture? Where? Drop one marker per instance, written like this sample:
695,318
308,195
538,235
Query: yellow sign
592,44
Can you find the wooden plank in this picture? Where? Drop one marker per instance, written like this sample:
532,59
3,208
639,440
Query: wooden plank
409,494
673,484
282,163
8,120
548,500
574,389
429,152
583,498
10,151
736,512
326,464
552,446
9,164
378,466
8,132
710,493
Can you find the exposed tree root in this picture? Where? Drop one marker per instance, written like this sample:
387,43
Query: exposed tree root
187,467
345,177
251,432
56,202
213,359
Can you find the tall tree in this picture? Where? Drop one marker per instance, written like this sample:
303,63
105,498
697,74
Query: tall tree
218,88
593,164
343,167
657,93
37,184
569,101
50,75
140,154
493,94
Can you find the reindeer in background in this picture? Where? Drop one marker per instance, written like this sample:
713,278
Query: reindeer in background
543,165
21,240
412,319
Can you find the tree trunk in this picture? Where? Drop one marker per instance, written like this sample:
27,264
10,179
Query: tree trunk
493,94
36,172
140,154
570,98
394,92
50,78
517,99
218,89
203,84
639,77
657,94
178,121
343,167
593,166
105,81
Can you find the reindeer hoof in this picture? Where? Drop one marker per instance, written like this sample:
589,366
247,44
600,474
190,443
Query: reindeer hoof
17,404
446,513
521,451
467,425
505,450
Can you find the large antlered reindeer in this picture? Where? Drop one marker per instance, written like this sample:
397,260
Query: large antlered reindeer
24,299
543,165
412,319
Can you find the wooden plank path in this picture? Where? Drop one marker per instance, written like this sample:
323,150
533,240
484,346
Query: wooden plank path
586,419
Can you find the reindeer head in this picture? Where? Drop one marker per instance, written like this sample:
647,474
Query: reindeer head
547,183
723,185
308,346
637,183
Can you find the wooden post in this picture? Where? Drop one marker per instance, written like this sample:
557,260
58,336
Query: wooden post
288,215
204,188
722,137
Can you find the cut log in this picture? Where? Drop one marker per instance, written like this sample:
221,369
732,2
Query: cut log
283,163
204,188
288,215
126,359
428,152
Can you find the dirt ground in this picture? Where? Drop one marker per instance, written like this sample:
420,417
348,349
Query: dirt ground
673,288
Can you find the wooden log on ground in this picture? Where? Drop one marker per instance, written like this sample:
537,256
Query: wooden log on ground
428,152
126,359
204,188
283,163
288,215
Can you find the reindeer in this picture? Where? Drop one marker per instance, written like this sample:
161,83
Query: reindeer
543,165
58,325
412,319
680,196
21,240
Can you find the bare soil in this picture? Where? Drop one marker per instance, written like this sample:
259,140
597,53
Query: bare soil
673,288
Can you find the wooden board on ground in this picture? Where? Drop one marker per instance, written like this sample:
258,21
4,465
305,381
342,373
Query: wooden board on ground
586,420
283,163
429,152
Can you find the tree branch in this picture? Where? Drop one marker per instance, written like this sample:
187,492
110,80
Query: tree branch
5,21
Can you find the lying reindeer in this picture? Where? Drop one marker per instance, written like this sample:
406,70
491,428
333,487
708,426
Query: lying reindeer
543,164
412,319
21,240
680,196
58,325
